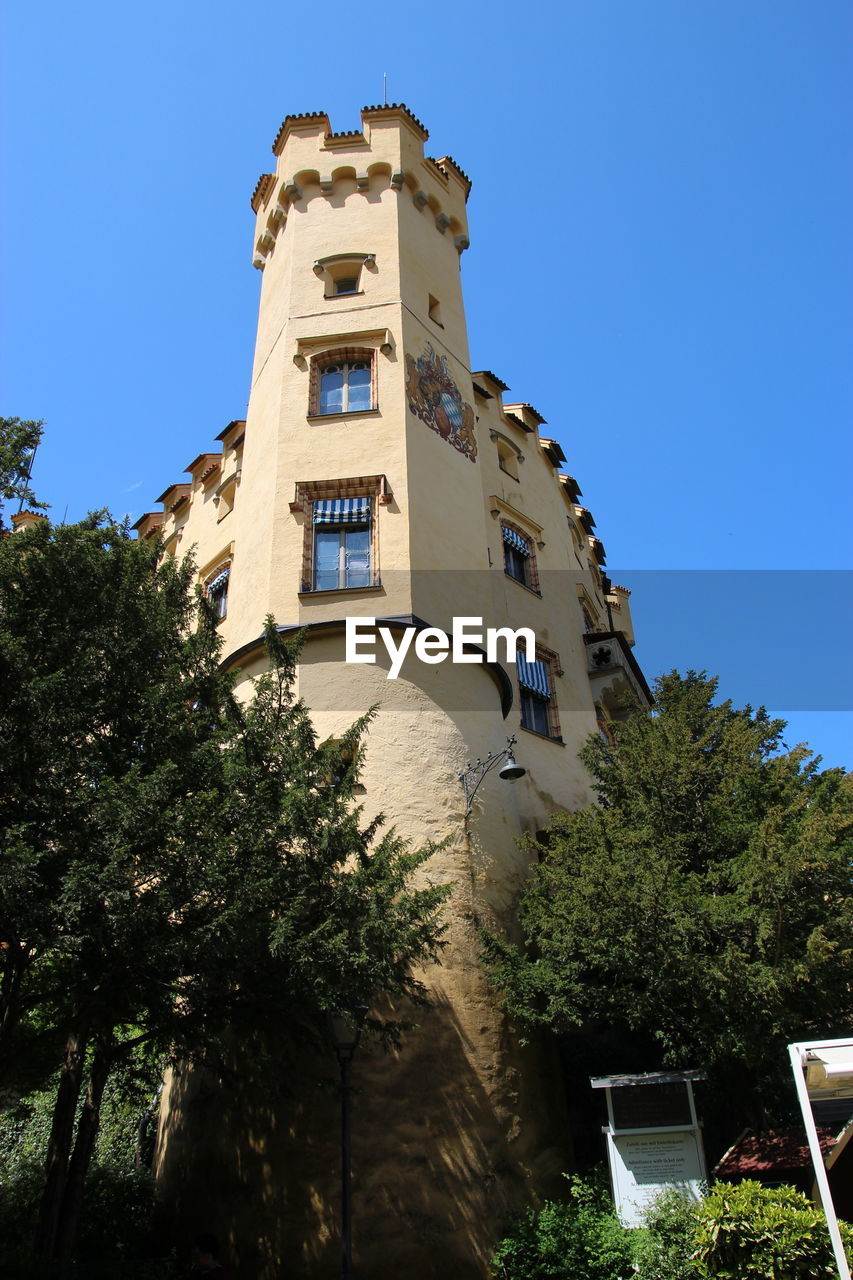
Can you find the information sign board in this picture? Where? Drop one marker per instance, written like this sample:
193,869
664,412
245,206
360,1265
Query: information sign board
645,1164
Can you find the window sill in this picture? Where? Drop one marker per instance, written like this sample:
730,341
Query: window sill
533,591
546,737
347,413
374,589
336,297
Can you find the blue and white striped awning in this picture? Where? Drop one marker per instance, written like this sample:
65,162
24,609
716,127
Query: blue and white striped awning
534,677
218,584
342,511
513,539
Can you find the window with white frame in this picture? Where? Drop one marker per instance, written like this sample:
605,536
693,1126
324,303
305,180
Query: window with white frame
342,544
346,386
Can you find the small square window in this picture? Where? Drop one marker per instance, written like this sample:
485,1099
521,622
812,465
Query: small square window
348,284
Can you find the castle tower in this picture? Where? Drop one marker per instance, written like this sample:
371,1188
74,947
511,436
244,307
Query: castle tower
377,476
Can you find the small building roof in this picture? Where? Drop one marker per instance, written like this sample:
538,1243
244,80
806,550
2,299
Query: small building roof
491,377
771,1153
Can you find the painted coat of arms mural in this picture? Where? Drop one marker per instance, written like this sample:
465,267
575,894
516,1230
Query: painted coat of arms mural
435,398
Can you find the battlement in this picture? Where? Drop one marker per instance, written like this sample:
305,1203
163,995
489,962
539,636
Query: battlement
315,162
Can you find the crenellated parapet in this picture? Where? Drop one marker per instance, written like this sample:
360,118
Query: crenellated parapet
385,154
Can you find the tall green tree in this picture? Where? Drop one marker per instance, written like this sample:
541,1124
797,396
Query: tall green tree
703,904
174,862
19,440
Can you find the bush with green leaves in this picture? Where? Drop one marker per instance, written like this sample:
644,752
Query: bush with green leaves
577,1239
115,1231
751,1232
665,1246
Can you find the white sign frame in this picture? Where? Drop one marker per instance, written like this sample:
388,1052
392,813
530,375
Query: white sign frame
679,1145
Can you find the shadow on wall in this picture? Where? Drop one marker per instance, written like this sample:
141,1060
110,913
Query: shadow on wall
440,1154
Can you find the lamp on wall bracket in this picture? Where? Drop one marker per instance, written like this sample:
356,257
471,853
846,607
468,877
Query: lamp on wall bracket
472,777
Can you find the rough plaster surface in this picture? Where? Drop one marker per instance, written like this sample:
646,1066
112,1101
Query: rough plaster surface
463,1124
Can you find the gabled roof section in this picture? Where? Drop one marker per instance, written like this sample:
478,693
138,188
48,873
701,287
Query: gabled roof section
552,450
531,417
148,523
486,375
203,466
174,496
236,422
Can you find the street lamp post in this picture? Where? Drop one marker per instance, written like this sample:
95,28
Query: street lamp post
345,1029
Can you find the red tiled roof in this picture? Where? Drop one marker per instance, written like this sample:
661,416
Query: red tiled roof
771,1152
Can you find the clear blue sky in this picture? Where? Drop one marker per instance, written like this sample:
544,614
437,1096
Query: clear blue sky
661,262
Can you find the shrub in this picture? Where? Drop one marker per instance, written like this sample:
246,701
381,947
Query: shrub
664,1249
751,1232
577,1239
115,1231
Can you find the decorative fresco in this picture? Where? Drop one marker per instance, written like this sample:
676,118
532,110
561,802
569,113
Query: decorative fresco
435,398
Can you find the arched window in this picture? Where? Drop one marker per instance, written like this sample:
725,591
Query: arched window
343,383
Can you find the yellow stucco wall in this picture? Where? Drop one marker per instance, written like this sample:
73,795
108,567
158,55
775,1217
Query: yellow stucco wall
463,1125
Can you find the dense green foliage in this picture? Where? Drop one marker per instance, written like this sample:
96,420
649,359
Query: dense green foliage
743,1232
704,902
18,442
116,1223
750,1232
664,1247
174,861
576,1239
